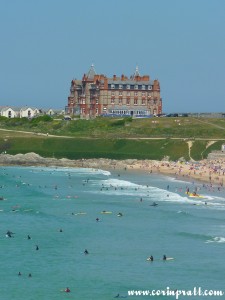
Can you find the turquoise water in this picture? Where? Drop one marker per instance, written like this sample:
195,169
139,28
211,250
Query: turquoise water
41,201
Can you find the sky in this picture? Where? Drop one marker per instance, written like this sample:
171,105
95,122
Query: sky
45,44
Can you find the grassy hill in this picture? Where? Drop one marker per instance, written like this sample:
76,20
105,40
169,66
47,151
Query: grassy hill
152,138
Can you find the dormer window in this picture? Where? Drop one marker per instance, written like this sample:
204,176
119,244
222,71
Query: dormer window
120,86
136,87
128,86
143,87
149,87
112,86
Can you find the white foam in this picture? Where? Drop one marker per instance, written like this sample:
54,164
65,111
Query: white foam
127,188
217,239
86,171
118,187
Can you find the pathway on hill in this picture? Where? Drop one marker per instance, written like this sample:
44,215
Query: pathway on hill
128,138
209,123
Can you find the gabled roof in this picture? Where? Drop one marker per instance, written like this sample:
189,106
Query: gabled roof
6,108
28,107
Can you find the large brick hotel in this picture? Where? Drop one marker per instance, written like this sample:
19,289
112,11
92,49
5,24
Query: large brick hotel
96,95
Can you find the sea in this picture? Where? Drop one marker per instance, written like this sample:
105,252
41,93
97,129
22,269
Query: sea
54,214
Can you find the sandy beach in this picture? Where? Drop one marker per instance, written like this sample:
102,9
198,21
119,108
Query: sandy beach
210,171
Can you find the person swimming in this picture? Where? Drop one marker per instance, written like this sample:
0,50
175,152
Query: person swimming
67,290
9,233
28,237
37,248
86,252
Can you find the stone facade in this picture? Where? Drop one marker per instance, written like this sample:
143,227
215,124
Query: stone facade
96,95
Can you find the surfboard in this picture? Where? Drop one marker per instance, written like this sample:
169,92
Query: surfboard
192,195
167,259
149,259
106,212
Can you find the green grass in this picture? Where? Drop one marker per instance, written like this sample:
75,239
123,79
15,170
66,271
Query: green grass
112,138
97,148
123,128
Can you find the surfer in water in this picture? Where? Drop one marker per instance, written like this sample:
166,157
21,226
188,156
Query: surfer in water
150,258
9,233
67,290
164,257
86,252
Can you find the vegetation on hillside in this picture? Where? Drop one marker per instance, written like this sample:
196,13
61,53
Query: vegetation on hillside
123,127
120,138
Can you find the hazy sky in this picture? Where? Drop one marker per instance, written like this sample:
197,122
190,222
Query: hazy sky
47,43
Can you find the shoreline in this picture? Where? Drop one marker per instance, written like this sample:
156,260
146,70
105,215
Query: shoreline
210,171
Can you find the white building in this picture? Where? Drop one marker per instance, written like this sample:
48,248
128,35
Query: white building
28,112
8,112
54,112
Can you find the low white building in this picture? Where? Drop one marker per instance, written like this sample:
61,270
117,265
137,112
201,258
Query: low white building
54,112
8,112
28,112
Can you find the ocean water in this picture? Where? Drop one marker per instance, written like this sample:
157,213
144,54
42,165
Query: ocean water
40,201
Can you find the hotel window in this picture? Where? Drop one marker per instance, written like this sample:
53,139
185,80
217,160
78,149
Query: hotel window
112,101
136,87
96,101
83,109
120,101
128,101
112,86
96,110
136,94
143,87
120,94
120,86
128,86
149,87
143,94
113,94
83,101
143,102
128,94
135,101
